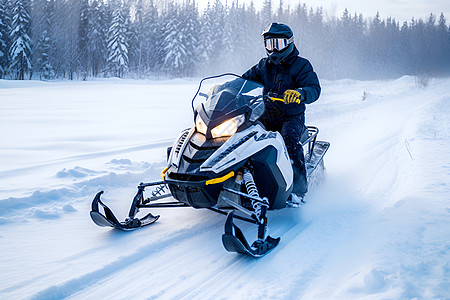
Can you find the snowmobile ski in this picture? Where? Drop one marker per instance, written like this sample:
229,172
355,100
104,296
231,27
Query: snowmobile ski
108,219
234,241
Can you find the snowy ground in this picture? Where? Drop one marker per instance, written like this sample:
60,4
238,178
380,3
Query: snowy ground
377,228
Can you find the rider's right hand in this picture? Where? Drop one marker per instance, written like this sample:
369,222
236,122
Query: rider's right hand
292,96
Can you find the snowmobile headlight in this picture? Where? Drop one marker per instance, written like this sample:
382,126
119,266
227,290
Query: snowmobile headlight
229,127
200,125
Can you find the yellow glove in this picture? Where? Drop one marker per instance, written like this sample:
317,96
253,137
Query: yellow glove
292,96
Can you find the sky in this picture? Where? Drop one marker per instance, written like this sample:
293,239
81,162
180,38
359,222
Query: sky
401,10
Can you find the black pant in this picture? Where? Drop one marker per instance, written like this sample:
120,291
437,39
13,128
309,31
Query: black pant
293,130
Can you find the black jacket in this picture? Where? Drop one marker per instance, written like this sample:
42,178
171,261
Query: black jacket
293,73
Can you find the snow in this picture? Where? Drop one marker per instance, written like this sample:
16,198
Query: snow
377,227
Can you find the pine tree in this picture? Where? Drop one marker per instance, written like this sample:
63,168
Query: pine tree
252,36
233,31
283,13
217,16
300,15
190,34
97,36
376,64
4,37
444,37
44,49
267,12
205,45
43,38
144,38
20,50
36,20
80,37
46,43
153,40
118,43
175,54
440,44
83,38
65,31
136,41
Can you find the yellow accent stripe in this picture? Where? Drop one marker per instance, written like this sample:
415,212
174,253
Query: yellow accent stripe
163,173
276,99
282,100
220,179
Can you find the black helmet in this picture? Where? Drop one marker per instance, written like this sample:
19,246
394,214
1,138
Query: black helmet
279,41
278,30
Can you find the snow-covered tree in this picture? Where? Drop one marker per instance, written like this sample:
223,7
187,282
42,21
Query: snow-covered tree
136,41
152,37
233,31
20,50
6,7
217,16
144,53
190,32
175,54
83,38
4,37
99,23
266,15
205,45
301,24
253,39
65,30
46,43
43,39
118,43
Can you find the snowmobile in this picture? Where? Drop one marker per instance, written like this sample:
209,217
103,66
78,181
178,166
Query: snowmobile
227,163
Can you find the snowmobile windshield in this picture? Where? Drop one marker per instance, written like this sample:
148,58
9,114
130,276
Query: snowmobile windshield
230,94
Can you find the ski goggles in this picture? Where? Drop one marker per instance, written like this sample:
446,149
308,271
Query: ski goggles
277,43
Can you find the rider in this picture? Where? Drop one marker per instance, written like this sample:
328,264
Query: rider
284,72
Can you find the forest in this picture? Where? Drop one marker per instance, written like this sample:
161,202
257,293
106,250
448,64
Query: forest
83,39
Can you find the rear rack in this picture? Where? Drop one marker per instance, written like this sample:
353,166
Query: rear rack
311,140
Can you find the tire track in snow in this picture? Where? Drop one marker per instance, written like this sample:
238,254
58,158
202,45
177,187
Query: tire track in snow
239,271
182,263
89,280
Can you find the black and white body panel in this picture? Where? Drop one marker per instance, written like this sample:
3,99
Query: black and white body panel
194,158
179,145
267,152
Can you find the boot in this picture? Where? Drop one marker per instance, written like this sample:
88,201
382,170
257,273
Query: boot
294,200
295,150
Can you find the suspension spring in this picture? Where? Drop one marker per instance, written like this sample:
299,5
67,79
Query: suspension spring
159,190
252,191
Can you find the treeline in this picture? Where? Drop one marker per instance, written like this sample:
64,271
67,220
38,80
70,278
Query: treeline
79,39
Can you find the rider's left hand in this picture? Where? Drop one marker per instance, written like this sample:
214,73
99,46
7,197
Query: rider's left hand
292,96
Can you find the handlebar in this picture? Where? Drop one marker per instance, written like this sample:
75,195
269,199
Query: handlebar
274,97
